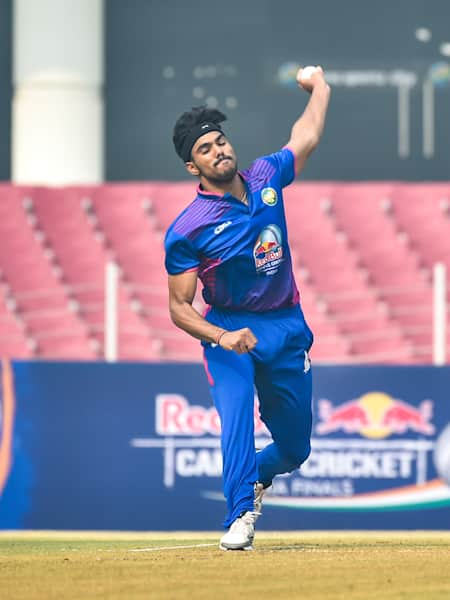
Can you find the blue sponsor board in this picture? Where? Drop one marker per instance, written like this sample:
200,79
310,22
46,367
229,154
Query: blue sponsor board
137,447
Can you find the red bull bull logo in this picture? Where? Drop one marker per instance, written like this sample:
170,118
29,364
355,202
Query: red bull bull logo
268,250
375,415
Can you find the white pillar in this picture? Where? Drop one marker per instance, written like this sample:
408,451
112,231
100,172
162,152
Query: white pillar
57,112
111,311
439,314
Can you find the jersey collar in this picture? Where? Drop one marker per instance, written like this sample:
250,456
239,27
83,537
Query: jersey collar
204,195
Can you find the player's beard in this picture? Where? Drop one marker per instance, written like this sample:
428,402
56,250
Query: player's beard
225,176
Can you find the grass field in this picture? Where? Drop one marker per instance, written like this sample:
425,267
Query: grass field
179,566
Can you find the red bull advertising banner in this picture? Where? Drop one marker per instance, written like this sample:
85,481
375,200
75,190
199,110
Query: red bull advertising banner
137,447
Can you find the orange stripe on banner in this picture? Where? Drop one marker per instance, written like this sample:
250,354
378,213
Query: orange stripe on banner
429,485
8,423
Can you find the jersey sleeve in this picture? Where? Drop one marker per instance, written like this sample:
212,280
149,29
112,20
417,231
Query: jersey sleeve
181,254
284,162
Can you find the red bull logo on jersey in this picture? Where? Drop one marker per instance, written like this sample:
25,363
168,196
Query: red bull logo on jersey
375,415
268,250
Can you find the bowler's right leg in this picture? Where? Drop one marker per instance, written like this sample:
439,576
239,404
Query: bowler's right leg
231,379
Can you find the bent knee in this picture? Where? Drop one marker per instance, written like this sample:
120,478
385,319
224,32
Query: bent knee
297,458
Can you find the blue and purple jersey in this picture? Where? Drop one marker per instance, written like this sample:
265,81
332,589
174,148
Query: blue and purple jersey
240,251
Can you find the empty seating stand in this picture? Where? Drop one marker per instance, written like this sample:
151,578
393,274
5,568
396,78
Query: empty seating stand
363,256
36,289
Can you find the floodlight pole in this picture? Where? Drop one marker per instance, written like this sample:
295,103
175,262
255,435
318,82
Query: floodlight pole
428,118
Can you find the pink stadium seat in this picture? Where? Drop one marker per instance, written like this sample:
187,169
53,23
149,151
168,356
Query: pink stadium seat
12,335
335,266
181,347
82,255
362,254
420,212
41,297
135,240
394,266
170,199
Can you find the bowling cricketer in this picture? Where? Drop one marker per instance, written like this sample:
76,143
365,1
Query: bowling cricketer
233,237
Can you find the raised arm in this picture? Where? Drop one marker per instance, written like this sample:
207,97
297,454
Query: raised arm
307,130
182,289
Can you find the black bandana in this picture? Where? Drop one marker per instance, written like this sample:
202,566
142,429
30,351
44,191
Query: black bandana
193,136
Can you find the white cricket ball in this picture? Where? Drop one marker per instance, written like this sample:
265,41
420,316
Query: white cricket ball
307,72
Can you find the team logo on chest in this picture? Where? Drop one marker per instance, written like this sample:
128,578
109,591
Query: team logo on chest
268,250
269,196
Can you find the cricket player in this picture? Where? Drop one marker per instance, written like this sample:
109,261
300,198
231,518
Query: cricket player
233,237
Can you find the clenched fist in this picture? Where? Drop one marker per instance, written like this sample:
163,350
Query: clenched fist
307,77
241,340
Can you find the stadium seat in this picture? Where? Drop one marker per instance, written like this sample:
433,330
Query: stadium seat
337,271
421,211
170,199
12,332
386,252
362,255
42,299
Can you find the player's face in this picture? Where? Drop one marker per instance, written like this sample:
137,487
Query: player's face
213,158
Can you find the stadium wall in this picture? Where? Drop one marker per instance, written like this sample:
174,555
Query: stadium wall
388,119
390,109
134,446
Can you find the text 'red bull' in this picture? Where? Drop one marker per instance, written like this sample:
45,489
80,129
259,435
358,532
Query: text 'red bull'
175,416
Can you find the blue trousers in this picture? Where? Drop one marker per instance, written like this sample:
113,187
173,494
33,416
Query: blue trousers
279,367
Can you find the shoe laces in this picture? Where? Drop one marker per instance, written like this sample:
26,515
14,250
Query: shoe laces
241,524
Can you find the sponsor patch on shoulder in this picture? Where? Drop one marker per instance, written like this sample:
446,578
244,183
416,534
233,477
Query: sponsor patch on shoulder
269,196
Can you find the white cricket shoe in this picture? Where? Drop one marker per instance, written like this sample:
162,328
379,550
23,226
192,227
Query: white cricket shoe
241,533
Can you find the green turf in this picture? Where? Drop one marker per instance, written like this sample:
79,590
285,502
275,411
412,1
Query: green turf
303,565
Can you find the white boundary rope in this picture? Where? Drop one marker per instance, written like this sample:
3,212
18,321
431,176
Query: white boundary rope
172,547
